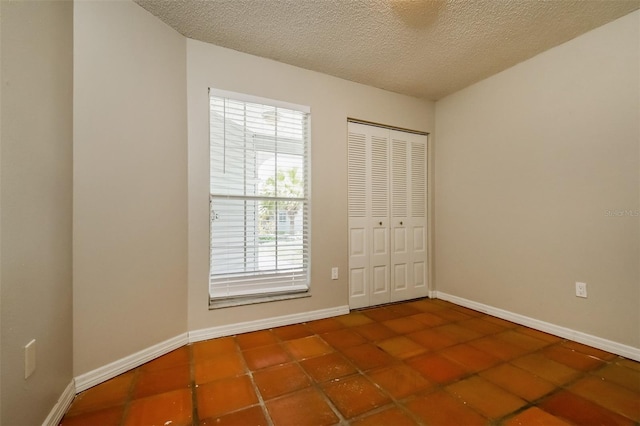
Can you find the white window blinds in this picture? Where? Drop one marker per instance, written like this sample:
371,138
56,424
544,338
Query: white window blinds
259,197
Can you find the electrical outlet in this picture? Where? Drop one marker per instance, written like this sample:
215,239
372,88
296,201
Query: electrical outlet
334,273
581,290
29,358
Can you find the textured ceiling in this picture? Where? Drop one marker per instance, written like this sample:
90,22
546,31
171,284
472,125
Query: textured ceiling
426,49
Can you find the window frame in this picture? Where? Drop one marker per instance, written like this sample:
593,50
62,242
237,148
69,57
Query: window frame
239,298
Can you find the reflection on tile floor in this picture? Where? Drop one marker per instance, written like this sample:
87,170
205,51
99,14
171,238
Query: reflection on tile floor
419,362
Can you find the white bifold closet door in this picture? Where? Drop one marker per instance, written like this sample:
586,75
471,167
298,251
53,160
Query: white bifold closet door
387,206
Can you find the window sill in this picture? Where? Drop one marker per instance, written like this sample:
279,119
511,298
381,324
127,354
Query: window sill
253,300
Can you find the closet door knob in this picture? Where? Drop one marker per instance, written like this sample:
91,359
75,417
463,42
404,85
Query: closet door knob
400,222
380,223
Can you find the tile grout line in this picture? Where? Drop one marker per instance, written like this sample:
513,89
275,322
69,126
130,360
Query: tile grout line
438,386
129,398
359,372
534,403
246,372
312,381
195,418
513,413
261,402
393,401
400,403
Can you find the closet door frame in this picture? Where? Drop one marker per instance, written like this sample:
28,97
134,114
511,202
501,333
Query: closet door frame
388,261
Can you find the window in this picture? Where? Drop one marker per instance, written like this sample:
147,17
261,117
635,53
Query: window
259,197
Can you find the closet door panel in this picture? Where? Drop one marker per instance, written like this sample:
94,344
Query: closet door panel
419,239
380,243
401,242
379,285
379,222
358,263
419,275
357,242
359,232
379,174
400,276
400,263
358,283
368,192
418,214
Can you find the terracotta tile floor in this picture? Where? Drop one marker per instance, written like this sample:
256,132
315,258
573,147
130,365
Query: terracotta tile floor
419,362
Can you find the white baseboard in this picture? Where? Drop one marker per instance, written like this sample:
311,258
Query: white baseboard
567,333
58,410
109,371
262,324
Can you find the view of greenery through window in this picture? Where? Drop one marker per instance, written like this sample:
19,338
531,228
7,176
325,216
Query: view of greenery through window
289,185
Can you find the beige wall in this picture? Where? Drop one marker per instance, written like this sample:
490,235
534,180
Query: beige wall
130,183
528,162
35,192
1,80
332,100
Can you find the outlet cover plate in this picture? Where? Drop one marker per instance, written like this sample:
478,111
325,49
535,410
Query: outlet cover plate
334,273
581,289
29,358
